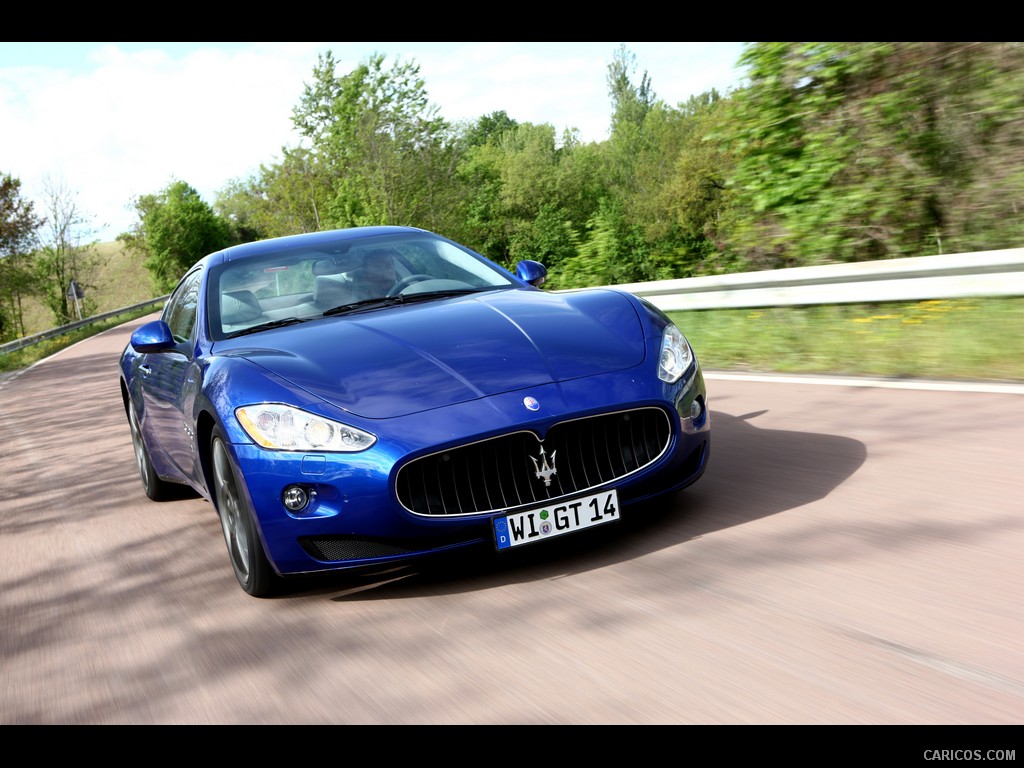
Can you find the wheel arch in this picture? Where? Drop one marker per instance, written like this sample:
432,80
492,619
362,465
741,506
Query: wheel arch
204,433
125,397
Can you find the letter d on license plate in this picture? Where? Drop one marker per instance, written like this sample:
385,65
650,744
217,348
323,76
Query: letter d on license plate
555,519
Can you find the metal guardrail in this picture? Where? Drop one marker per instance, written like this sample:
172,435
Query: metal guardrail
28,341
982,273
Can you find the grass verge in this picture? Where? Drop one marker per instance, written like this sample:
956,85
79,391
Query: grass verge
978,339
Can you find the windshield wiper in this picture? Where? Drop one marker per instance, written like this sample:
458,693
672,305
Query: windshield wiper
428,295
264,326
364,304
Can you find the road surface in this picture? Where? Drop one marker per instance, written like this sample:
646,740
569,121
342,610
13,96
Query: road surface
854,555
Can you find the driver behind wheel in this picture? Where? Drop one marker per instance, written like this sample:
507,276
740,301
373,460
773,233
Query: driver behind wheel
377,274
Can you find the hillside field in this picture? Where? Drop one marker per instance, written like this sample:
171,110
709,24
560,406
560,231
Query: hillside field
119,280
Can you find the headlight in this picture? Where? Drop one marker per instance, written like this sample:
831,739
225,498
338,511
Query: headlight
676,355
284,428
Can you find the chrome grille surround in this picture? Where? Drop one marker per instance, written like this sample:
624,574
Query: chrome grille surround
505,472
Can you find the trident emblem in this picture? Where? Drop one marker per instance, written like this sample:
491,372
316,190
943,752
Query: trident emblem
545,470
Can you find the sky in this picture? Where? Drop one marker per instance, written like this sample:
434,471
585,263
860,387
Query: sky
108,122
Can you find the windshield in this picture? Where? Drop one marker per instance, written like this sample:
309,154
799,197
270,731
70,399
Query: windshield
273,289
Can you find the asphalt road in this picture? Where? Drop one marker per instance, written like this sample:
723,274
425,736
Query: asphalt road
854,555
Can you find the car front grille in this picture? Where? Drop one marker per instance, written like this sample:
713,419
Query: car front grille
520,469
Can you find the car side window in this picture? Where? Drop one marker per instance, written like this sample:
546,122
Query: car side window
180,312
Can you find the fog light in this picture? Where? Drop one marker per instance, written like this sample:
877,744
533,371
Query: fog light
295,498
696,409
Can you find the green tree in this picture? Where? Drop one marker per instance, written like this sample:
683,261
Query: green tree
487,128
680,211
285,198
981,117
512,205
62,256
18,227
657,186
597,257
388,153
176,228
798,134
477,222
612,245
480,222
631,104
631,101
861,150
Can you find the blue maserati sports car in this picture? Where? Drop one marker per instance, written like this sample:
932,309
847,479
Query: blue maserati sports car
364,397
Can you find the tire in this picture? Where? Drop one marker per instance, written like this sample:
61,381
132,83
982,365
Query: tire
155,488
245,549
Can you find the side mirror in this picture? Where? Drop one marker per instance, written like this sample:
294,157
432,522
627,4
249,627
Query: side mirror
532,272
154,336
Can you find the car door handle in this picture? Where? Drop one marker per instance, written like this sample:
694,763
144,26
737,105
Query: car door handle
145,369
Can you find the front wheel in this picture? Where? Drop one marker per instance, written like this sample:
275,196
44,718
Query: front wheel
249,561
155,488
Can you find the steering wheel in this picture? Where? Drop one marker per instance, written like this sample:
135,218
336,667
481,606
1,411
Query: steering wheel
406,281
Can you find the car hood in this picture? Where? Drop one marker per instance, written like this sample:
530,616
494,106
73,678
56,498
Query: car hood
416,357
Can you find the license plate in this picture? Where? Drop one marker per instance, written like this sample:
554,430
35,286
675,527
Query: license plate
555,519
